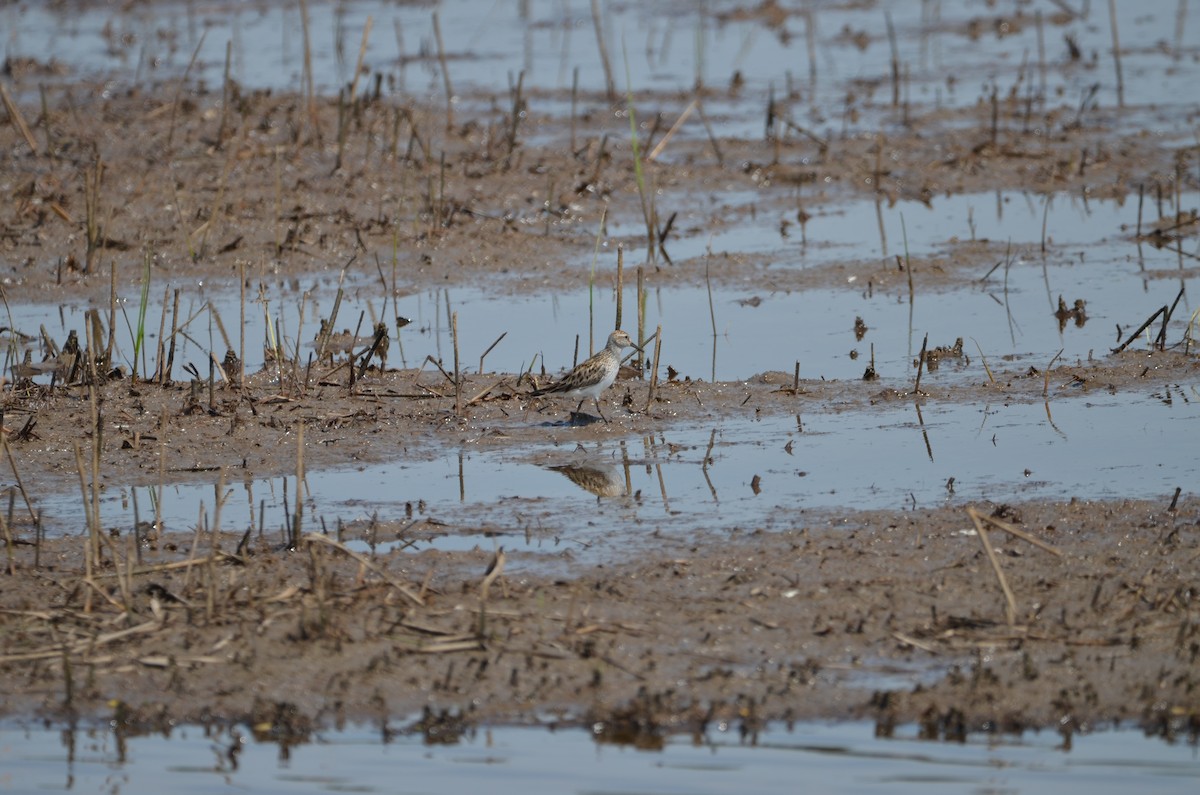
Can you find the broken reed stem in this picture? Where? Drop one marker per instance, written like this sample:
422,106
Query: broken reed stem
988,370
12,462
891,32
609,84
712,312
489,350
166,374
241,373
574,102
457,376
1161,340
620,283
298,516
1160,311
179,92
654,370
18,120
362,54
1112,19
162,472
641,319
1010,601
1049,367
8,546
162,328
112,314
437,33
1045,219
310,90
921,364
712,439
92,542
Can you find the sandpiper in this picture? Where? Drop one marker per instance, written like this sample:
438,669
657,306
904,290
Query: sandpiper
590,378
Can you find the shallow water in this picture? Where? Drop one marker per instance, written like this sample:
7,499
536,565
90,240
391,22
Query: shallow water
1003,309
841,758
820,460
665,46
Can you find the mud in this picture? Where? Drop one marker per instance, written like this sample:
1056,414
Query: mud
897,616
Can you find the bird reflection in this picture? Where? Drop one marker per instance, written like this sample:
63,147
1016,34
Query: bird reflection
603,481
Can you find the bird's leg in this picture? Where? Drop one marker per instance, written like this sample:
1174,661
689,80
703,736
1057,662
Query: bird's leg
598,411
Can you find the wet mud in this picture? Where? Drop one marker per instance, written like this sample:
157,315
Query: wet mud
1063,614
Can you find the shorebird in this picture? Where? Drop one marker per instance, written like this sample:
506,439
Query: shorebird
590,378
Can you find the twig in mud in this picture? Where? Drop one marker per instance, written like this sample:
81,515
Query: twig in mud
1010,601
1021,534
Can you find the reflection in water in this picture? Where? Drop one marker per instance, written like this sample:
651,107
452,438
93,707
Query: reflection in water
601,480
444,751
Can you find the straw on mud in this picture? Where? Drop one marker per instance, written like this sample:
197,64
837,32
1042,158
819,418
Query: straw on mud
609,84
1021,534
1010,601
367,563
18,120
1112,20
437,33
